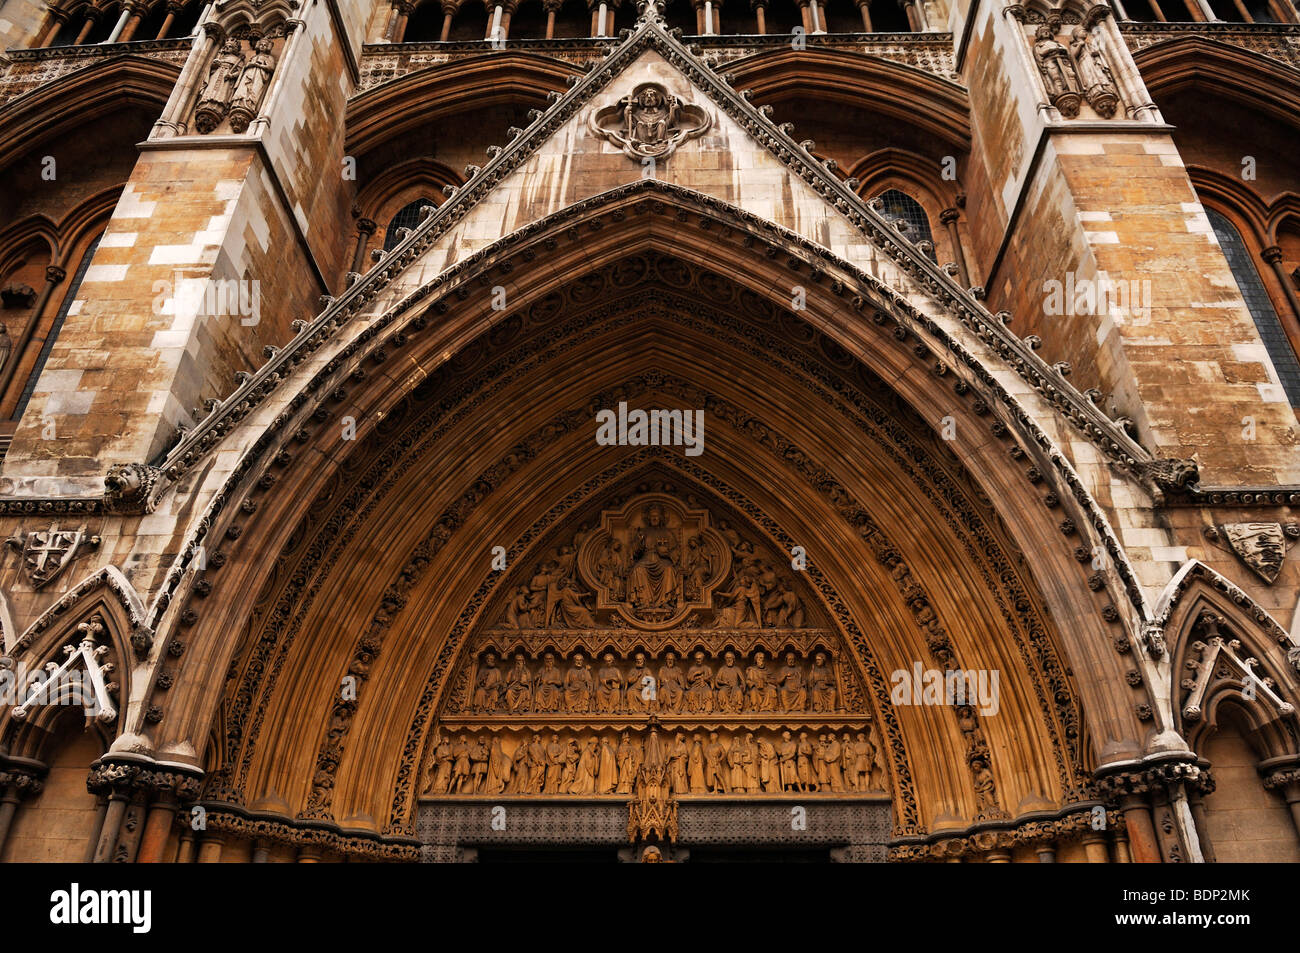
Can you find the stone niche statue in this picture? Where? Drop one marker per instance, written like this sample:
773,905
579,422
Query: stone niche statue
251,88
1054,63
649,123
1094,73
214,98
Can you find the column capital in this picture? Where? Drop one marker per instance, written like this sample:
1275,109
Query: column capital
55,274
366,226
1272,254
948,215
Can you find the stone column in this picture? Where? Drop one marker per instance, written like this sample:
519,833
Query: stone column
52,27
1094,848
551,7
864,7
15,784
133,17
169,789
92,15
1287,781
117,782
404,9
174,7
261,851
365,228
948,217
210,848
1273,255
760,14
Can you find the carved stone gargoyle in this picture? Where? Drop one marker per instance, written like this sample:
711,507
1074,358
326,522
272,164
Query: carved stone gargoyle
649,123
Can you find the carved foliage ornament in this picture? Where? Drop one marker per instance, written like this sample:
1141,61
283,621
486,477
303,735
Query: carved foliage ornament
649,123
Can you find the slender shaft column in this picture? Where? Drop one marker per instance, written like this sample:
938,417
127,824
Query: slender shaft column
261,852
14,786
54,276
53,25
1046,853
119,26
551,7
948,217
365,228
185,850
1287,781
101,813
1143,843
86,28
210,849
118,783
864,7
760,14
494,22
1273,255
1197,803
447,14
112,824
157,828
309,854
132,24
399,23
815,16
1094,848
173,8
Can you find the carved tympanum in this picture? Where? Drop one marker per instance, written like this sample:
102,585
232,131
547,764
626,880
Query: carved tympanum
650,122
656,653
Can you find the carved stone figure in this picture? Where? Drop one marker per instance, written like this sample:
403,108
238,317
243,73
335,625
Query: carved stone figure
253,80
744,611
794,696
653,582
1094,72
807,777
460,770
519,614
730,682
578,687
699,694
768,777
715,755
487,687
695,767
519,768
787,755
1058,72
672,684
498,769
736,765
556,752
649,122
442,759
607,772
833,755
629,761
864,759
847,762
214,97
760,682
478,760
821,684
547,694
821,771
584,781
519,686
609,686
641,688
677,758
536,765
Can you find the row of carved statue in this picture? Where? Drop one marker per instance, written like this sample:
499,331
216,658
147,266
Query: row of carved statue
699,689
235,85
593,764
1072,75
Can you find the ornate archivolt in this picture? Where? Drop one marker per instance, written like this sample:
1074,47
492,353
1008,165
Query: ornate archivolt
249,703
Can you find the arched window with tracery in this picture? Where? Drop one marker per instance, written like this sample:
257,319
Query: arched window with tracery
896,205
1260,305
408,216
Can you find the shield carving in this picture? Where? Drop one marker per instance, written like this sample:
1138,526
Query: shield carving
47,553
1261,546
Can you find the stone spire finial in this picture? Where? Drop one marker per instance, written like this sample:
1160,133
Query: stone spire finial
650,10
